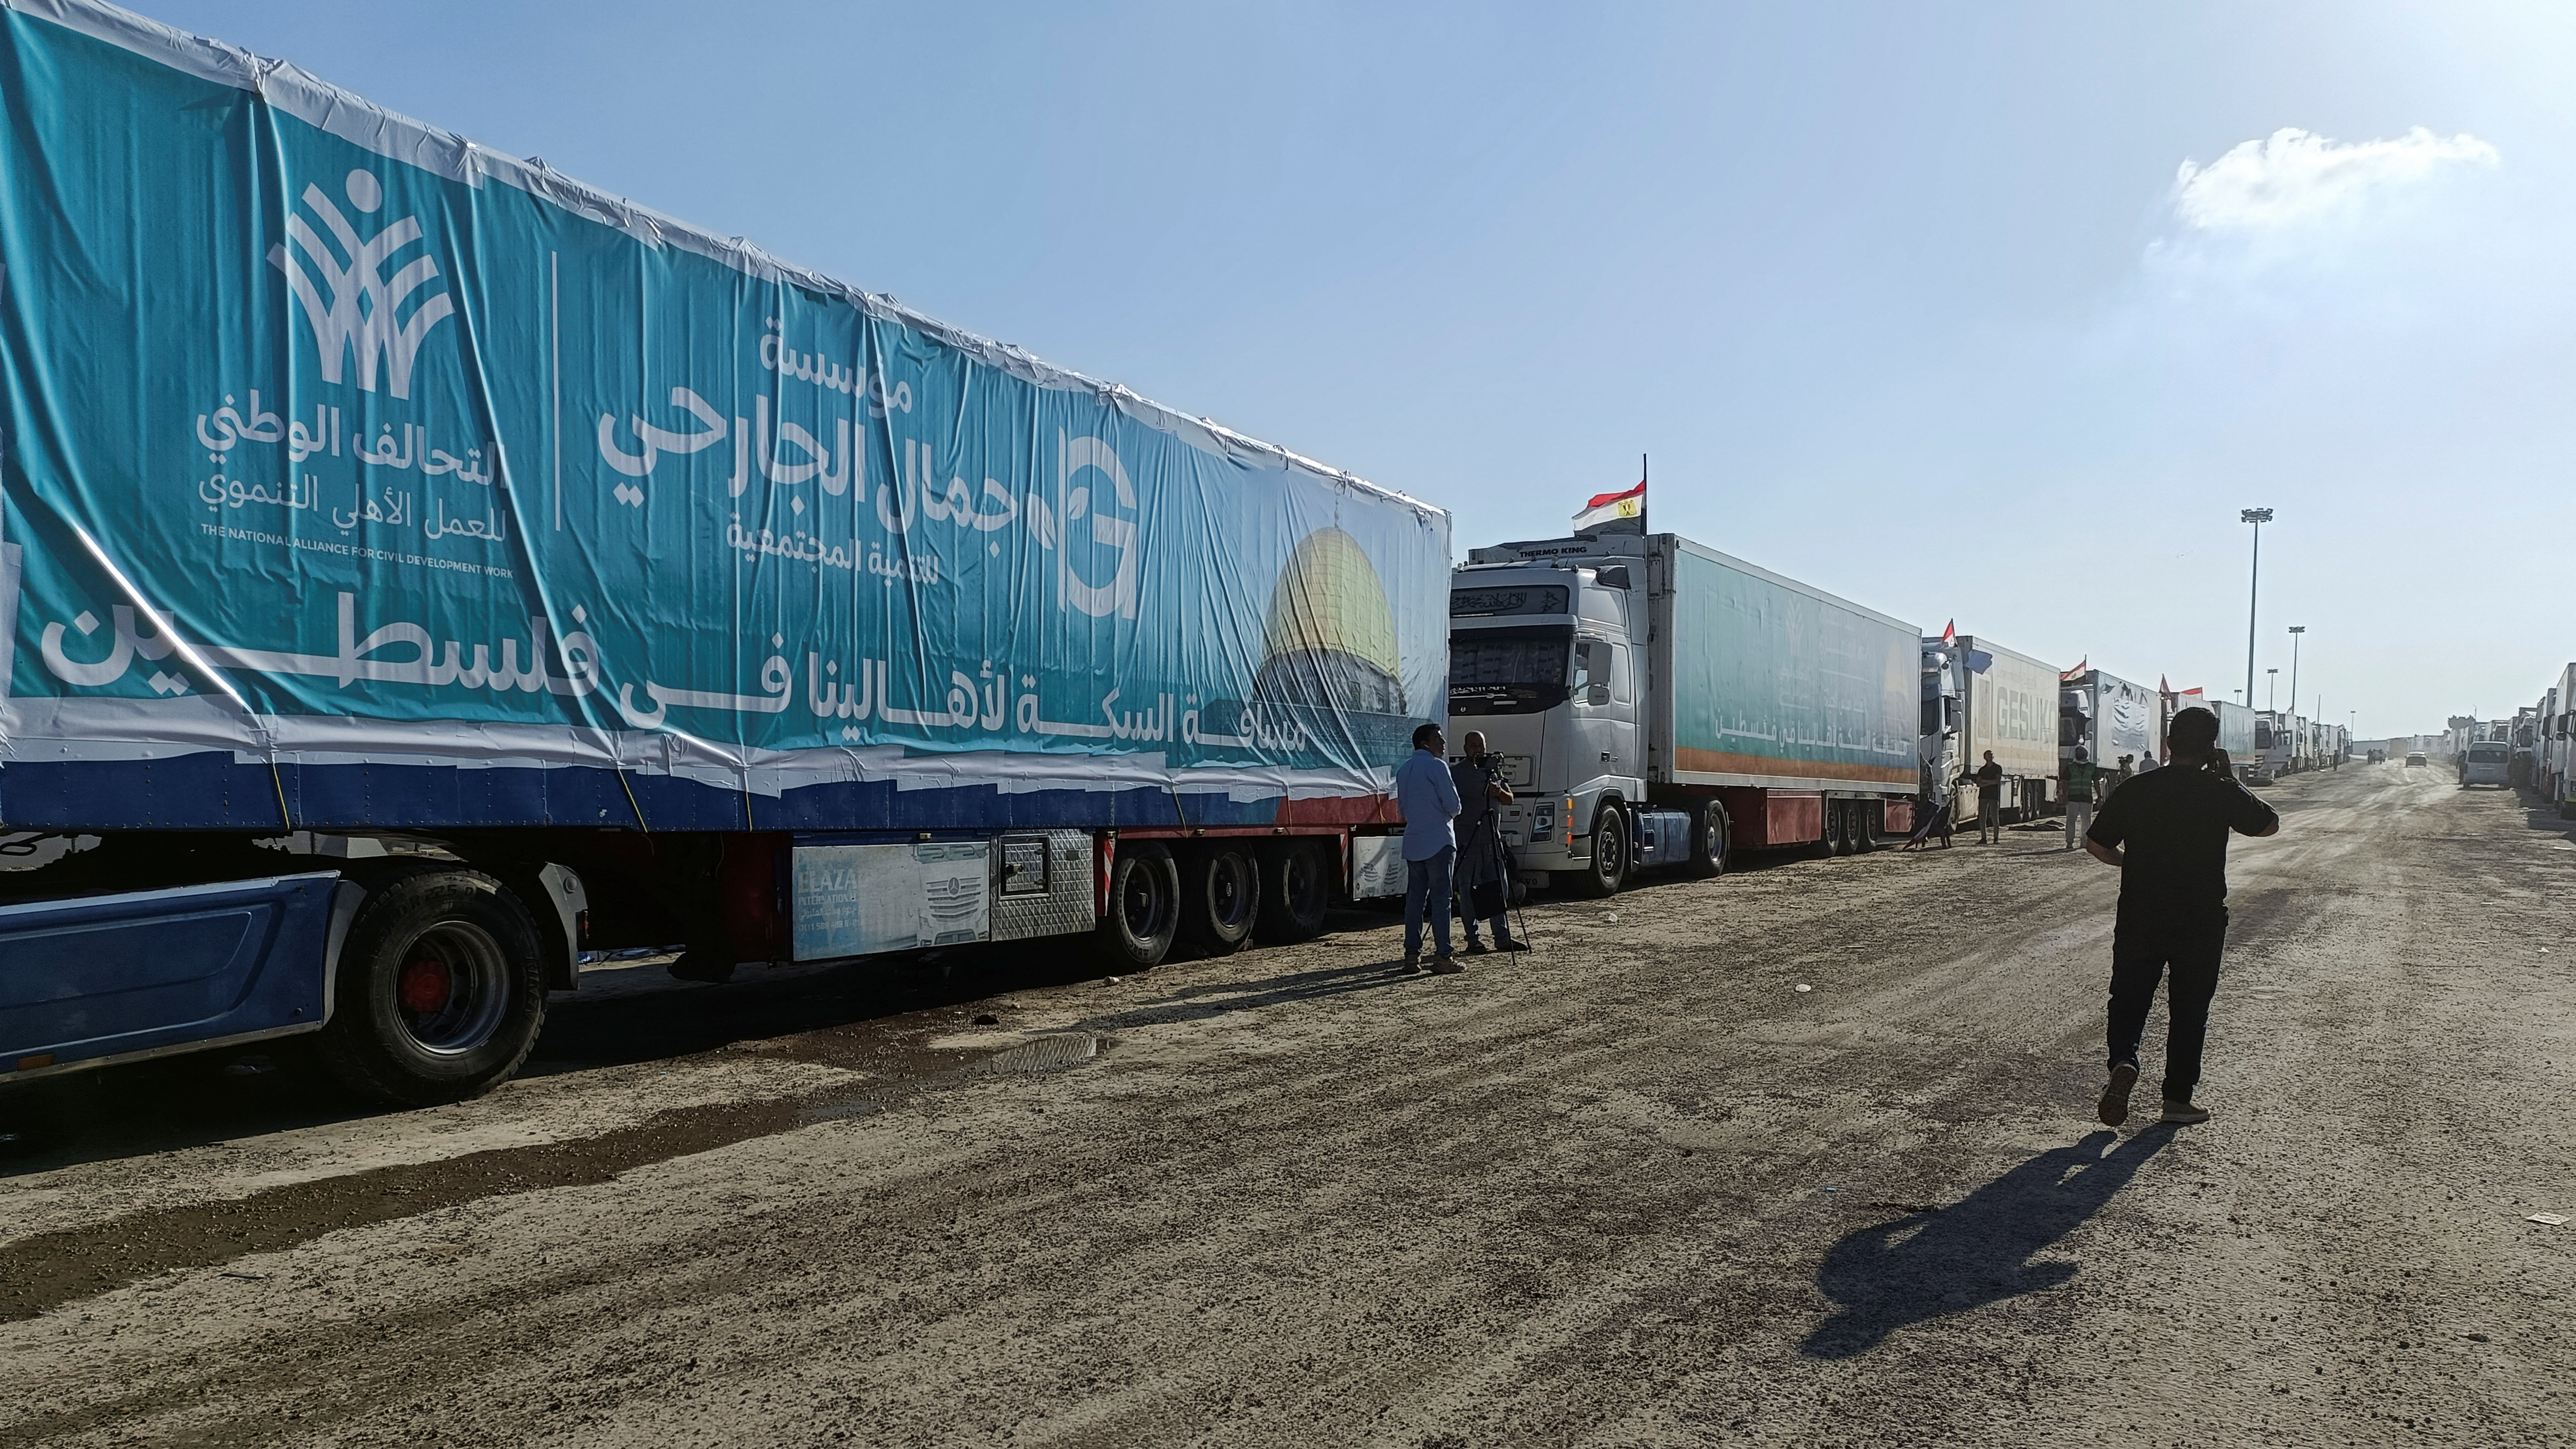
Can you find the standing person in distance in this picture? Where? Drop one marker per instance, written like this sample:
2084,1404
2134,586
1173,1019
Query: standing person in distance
1484,868
2167,832
2081,775
1428,796
1990,801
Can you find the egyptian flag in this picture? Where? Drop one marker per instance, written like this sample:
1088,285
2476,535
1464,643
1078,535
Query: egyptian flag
1610,507
1950,632
2078,671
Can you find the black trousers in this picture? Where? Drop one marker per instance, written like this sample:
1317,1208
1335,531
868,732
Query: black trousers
2185,955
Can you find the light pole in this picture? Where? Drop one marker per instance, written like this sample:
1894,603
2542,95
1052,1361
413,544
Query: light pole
2295,631
2272,691
2253,590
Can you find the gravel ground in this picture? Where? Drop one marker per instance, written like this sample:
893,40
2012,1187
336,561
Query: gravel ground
1635,1188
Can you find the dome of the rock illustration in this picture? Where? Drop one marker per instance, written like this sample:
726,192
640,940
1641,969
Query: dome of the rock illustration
1331,631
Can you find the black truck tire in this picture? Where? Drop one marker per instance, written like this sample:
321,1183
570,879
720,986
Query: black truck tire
1608,872
440,991
1144,908
1220,896
1867,817
1296,890
1830,844
1710,841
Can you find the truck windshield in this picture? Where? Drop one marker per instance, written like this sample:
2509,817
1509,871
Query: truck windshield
1508,671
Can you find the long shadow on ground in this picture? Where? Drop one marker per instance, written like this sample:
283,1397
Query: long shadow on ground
1976,1251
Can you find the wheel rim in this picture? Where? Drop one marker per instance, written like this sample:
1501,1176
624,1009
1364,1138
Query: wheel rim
1611,848
1230,891
1139,905
452,988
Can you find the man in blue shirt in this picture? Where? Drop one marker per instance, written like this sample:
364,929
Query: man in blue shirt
1428,796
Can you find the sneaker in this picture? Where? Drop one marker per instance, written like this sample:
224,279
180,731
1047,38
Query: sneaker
1412,960
1477,948
1448,966
1511,945
2184,1114
2115,1094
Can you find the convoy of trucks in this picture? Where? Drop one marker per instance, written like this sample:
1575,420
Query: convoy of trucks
419,571
2286,743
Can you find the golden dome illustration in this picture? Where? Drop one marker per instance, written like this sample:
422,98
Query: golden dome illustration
1331,632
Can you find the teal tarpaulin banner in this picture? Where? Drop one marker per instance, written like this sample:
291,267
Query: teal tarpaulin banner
333,437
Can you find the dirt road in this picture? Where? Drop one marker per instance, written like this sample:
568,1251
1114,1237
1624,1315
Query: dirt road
1634,1189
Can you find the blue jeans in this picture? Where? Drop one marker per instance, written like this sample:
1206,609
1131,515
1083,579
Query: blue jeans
1426,884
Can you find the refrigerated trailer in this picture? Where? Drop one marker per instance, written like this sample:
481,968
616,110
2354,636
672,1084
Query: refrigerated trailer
2235,732
417,567
2110,718
1657,703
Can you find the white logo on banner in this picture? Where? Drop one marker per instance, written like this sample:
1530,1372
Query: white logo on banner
342,323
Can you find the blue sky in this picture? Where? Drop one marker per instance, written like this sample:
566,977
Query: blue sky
1917,303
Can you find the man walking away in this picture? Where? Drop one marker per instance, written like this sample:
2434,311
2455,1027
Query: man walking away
2167,832
1484,867
2082,778
1990,801
1428,797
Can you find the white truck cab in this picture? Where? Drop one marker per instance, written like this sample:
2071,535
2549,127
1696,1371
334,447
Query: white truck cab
1543,661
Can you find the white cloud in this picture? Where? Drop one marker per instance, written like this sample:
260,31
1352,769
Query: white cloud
2297,178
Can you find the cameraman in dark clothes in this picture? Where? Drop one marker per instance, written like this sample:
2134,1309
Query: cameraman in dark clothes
2167,831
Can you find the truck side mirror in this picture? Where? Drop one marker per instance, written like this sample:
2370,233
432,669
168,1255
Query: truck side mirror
1597,694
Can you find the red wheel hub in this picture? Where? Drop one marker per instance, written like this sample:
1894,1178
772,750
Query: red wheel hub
424,985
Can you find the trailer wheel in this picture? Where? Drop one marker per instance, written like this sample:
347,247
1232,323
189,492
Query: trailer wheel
1709,840
440,992
1867,818
1829,844
1144,908
1609,869
1296,889
1220,897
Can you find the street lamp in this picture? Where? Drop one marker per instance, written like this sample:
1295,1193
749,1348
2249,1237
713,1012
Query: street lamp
2254,590
2272,692
2295,631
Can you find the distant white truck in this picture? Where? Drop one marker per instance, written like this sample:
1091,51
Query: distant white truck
2108,718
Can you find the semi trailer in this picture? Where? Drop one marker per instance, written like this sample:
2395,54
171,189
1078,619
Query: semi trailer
2110,718
418,568
1657,704
2235,733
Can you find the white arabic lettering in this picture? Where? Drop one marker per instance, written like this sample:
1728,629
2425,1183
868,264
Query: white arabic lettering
353,661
